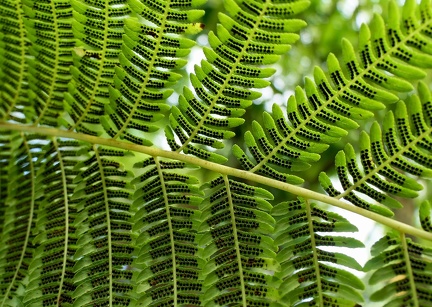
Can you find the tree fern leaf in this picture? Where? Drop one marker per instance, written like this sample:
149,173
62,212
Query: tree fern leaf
51,270
166,201
16,246
306,272
13,64
402,147
402,264
254,35
51,49
103,269
99,28
150,51
328,106
234,244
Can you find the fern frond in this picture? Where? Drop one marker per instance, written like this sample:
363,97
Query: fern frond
51,270
49,29
166,202
390,57
306,271
149,52
103,273
239,252
405,268
99,29
16,246
5,160
13,63
253,37
404,146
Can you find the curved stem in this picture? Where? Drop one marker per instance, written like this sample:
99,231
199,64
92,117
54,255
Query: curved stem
409,273
170,228
222,169
315,253
236,241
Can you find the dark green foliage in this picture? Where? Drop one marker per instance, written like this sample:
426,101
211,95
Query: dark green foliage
13,64
405,266
149,54
389,58
402,147
49,29
16,246
91,215
307,269
166,202
239,257
99,29
253,35
105,246
51,270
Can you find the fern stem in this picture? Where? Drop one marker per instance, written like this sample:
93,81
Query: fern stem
222,169
341,90
170,228
236,241
65,195
227,80
107,209
30,219
314,252
409,272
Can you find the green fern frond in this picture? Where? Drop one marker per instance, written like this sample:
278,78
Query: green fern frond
49,29
404,146
16,242
102,272
51,270
99,29
5,160
150,51
240,256
390,57
404,266
306,271
254,36
13,64
166,202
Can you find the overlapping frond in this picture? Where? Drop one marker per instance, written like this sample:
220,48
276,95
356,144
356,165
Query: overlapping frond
166,201
253,36
98,26
49,29
403,146
404,268
5,160
150,51
51,269
103,274
389,58
239,252
13,62
311,275
16,246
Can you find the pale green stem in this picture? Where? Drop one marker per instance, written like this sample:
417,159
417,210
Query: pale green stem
225,170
